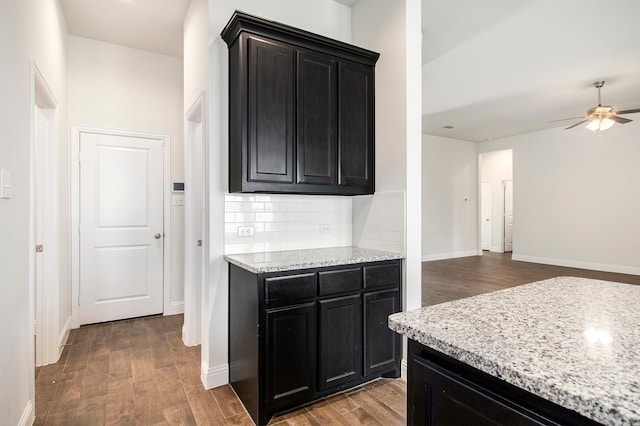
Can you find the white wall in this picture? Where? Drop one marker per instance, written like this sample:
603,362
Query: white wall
495,168
29,30
449,198
576,197
118,87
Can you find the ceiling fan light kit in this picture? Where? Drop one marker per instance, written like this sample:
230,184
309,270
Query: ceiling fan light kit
601,118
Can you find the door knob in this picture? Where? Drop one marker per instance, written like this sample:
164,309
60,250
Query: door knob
157,236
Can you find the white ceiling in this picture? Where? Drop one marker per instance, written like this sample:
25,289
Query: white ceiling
153,25
502,67
491,68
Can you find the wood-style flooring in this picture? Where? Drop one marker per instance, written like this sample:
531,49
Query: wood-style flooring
138,372
451,279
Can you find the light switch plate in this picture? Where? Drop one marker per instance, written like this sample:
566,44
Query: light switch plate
5,184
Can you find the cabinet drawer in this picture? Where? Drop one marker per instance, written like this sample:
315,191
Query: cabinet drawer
382,276
291,288
340,281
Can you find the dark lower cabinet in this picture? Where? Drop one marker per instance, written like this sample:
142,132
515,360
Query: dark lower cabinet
291,359
301,335
444,391
340,341
382,344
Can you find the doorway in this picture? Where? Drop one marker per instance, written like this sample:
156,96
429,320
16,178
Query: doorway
496,200
194,166
49,335
508,215
485,214
120,252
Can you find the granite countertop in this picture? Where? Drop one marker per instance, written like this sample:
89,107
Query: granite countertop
279,261
572,341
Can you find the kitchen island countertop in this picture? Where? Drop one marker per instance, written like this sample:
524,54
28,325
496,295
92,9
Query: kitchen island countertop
572,341
280,261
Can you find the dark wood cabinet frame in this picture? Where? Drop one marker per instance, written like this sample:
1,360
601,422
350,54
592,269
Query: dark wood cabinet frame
301,335
301,111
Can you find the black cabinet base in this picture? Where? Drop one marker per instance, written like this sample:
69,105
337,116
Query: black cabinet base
298,336
442,390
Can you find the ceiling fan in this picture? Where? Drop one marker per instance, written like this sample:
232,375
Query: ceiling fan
603,116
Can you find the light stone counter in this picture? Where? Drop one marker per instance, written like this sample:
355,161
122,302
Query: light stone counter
279,261
572,341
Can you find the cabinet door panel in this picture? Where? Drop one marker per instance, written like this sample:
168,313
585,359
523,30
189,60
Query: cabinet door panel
340,341
271,111
382,346
317,118
291,355
356,140
436,396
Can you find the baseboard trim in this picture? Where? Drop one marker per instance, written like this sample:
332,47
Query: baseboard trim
496,250
451,255
28,415
214,376
62,338
174,308
620,269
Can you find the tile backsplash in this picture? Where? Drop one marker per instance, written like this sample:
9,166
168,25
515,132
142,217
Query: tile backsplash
256,223
379,221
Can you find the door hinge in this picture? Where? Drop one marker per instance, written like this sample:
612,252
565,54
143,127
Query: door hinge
39,248
199,243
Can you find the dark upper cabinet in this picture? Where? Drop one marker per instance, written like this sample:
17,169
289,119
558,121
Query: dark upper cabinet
301,111
356,126
317,119
271,111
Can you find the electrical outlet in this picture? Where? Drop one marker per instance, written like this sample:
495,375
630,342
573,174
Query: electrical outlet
325,228
245,231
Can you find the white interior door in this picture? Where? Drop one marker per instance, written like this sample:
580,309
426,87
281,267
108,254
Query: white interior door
121,227
508,215
485,215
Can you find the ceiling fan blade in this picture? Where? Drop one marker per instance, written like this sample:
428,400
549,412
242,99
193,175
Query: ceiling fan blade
565,119
620,120
628,111
577,124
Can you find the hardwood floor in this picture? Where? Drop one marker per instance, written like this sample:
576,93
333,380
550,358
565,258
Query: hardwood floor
451,279
138,372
